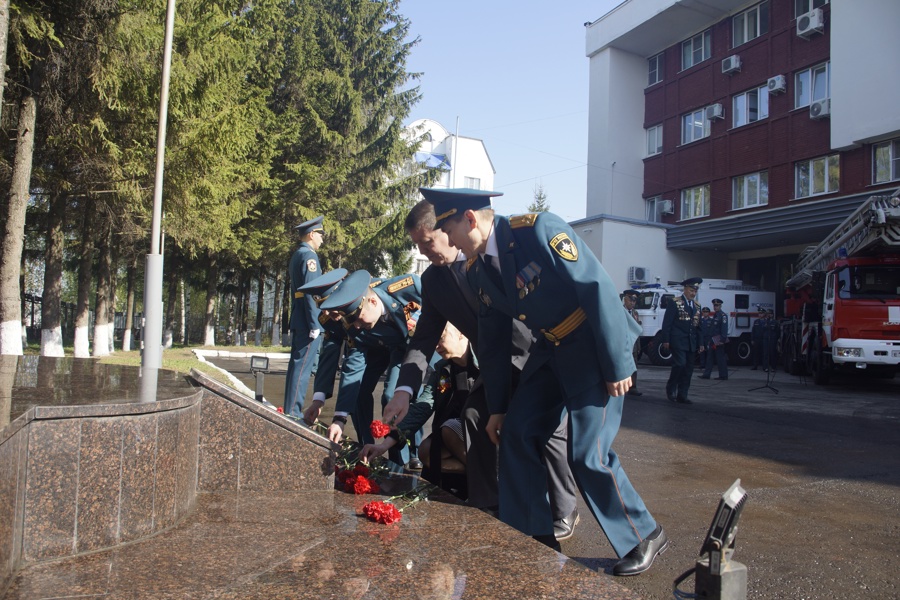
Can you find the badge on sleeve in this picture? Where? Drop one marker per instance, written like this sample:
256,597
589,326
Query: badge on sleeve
564,246
311,265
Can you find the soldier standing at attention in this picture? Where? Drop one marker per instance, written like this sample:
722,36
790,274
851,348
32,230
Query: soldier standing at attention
629,300
304,324
536,270
681,334
715,344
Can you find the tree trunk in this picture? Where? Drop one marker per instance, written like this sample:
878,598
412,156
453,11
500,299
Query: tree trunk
82,308
113,293
182,323
51,324
101,305
245,307
212,278
14,231
286,315
4,39
276,309
129,306
260,289
170,311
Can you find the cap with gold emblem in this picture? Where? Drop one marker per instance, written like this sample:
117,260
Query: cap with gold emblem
455,201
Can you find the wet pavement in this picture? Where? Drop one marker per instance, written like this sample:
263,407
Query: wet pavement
820,465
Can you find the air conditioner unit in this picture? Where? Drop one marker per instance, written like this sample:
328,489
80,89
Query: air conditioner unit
667,207
714,111
777,84
638,274
732,64
820,109
810,23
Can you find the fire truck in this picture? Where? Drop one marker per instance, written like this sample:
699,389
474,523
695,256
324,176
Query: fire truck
842,305
743,303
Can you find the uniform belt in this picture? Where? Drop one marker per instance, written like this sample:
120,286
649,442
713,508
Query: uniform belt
568,325
299,294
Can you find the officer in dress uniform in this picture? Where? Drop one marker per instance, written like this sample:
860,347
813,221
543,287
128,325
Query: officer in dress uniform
305,329
681,334
715,344
379,318
629,299
706,333
535,269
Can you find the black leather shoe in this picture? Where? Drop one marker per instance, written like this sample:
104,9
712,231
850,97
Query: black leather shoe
671,398
634,392
721,379
753,369
683,401
549,541
563,529
642,556
415,464
703,376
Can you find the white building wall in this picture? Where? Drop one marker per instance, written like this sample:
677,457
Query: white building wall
864,84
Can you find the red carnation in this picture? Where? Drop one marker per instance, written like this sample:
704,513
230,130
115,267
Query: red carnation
379,429
363,485
343,476
382,512
361,469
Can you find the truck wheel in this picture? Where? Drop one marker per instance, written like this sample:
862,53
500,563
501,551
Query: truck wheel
658,356
740,351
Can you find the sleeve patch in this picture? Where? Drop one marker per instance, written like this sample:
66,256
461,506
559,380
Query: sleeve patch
563,245
399,285
519,221
312,266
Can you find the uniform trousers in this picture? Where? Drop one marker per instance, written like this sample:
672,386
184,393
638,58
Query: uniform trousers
535,411
303,356
680,376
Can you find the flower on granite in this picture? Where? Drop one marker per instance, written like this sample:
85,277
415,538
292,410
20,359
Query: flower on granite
361,469
280,410
382,512
379,429
361,485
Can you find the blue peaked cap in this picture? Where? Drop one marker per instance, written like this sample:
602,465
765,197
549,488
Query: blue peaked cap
311,225
453,201
323,285
349,294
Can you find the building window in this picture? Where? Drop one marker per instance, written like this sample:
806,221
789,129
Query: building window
472,182
695,202
657,208
801,7
812,85
750,190
751,106
655,67
750,24
886,161
654,140
694,126
696,50
818,176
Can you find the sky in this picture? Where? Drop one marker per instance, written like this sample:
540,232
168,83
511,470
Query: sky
515,74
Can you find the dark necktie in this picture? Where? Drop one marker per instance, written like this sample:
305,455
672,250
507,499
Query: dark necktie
459,273
492,273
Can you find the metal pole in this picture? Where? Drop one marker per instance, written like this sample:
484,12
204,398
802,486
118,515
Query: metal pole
151,336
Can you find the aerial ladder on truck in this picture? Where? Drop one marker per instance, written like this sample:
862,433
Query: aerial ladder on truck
830,321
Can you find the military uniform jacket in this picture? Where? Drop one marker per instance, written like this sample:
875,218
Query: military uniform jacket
681,325
304,267
550,281
444,300
759,328
444,395
706,330
720,327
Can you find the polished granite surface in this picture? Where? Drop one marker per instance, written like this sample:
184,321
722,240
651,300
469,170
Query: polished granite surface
299,545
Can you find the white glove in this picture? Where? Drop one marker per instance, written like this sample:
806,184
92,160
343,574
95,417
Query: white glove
313,334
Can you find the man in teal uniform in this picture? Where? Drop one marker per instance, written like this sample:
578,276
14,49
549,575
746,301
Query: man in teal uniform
305,341
715,341
681,335
535,269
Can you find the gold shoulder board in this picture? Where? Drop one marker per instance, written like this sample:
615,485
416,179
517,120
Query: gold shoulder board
399,285
523,220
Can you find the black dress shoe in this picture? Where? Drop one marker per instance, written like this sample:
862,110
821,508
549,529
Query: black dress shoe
634,392
415,464
753,368
563,529
683,401
641,556
703,376
721,379
671,398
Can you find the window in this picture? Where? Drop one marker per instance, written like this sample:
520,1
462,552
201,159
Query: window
655,67
750,190
751,106
657,208
750,24
695,202
801,7
654,140
472,182
696,50
694,126
812,85
886,161
818,176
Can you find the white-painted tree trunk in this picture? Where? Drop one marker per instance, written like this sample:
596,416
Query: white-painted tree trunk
11,337
82,344
167,338
101,339
52,342
126,341
210,337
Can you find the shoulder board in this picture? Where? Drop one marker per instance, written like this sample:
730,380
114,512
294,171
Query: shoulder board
323,319
399,285
519,221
